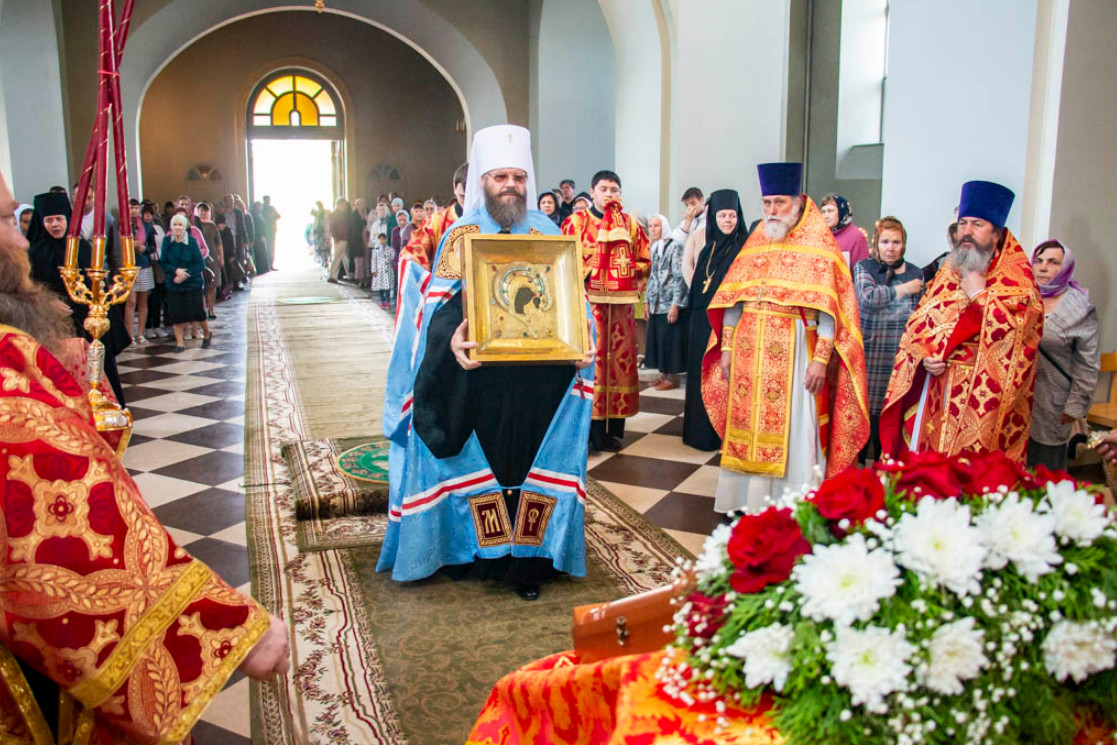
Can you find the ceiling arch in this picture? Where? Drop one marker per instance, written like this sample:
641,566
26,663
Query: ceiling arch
153,44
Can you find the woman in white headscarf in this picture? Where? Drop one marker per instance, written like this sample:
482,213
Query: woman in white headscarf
665,303
23,218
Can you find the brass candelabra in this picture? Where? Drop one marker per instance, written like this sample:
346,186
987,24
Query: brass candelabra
107,415
86,285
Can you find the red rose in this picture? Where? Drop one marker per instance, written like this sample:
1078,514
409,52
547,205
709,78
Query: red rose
855,494
764,548
706,616
988,471
927,474
1041,476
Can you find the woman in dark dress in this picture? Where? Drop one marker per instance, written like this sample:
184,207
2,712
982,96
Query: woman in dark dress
709,270
184,269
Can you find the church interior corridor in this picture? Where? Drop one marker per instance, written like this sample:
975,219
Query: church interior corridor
558,372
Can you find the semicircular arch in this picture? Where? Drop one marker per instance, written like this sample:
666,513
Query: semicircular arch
157,41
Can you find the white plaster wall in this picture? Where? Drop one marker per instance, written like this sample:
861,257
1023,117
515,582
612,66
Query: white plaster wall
957,109
639,90
728,95
1082,211
860,70
170,30
573,94
33,149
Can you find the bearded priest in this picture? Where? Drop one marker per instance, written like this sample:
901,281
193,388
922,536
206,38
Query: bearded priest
487,462
964,373
783,378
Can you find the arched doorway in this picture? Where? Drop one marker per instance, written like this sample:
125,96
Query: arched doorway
295,138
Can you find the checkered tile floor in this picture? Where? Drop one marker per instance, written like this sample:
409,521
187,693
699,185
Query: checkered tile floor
670,483
187,456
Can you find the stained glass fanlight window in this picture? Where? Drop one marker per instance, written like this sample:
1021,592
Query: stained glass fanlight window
294,99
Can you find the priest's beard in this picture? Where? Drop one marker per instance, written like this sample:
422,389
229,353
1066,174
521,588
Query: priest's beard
507,207
969,256
777,228
28,305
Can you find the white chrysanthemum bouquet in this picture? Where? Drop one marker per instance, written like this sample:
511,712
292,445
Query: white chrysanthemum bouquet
941,600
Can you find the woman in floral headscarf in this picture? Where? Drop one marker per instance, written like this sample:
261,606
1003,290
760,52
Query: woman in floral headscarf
839,216
1067,370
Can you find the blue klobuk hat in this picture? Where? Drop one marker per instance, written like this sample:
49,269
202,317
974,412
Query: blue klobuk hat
987,201
780,178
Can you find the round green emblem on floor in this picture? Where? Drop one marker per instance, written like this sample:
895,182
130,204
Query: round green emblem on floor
368,462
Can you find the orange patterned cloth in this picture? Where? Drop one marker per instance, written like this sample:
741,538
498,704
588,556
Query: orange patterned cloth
136,635
426,237
779,283
616,258
557,701
983,402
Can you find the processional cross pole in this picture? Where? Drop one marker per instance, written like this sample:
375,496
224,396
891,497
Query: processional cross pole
88,287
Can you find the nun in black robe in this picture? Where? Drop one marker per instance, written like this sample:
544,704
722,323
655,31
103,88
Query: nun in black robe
709,270
47,255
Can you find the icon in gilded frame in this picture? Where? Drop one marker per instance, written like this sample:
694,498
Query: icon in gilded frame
525,299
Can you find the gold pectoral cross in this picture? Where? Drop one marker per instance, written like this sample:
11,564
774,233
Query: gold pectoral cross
706,285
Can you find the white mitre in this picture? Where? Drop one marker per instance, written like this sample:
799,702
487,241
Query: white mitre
501,146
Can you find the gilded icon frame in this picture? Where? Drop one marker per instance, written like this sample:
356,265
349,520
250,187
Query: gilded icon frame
525,298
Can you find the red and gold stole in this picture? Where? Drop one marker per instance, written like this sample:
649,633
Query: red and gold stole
138,635
425,238
615,254
983,402
778,283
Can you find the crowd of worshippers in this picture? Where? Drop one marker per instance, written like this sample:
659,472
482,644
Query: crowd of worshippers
191,256
364,245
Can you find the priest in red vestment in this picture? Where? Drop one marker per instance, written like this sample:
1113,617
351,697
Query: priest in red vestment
110,633
616,257
963,377
784,378
426,237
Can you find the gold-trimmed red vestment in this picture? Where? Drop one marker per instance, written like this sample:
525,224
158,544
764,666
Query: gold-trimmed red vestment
983,402
778,284
616,259
426,237
137,635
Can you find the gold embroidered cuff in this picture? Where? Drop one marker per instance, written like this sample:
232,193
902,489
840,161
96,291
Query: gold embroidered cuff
727,333
822,350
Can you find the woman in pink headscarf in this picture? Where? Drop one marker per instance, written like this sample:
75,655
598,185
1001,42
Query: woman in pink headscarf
1069,359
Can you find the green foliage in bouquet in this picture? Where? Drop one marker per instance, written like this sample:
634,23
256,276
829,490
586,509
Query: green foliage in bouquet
941,600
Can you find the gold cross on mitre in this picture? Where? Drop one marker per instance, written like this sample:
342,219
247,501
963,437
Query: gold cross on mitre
510,136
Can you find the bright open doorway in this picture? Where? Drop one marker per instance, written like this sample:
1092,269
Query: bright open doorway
295,174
